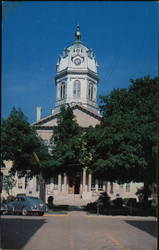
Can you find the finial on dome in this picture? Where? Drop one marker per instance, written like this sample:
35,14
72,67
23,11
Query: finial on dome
78,33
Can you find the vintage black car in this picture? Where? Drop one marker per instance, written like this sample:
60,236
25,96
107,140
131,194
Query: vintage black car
27,205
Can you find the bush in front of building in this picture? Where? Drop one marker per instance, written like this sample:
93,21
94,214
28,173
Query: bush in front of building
102,203
50,202
9,198
118,202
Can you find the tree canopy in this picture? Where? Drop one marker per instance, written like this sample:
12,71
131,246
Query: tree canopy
21,144
124,146
67,150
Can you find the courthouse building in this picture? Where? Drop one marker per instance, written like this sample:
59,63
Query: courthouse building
76,82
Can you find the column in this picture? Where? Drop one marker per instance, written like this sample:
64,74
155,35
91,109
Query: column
84,179
59,182
96,185
105,186
81,184
52,183
89,182
65,182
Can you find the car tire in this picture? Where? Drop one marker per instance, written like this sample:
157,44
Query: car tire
24,212
40,213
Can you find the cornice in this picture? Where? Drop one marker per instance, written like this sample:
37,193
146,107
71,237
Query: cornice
76,72
38,127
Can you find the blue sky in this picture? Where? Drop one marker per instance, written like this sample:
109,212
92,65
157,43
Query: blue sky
123,36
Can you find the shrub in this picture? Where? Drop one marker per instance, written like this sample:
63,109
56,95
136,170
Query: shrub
10,198
50,201
118,202
131,202
104,200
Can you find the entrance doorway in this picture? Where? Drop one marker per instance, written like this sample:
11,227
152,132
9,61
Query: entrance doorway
77,185
74,185
71,187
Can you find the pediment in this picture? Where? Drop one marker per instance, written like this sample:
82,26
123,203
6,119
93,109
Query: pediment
84,116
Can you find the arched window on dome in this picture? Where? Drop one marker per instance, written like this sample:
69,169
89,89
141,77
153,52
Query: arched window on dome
62,91
76,88
91,91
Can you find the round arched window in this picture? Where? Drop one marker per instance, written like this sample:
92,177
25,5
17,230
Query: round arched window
62,93
90,91
76,88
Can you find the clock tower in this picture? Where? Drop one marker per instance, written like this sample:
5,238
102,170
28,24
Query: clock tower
76,76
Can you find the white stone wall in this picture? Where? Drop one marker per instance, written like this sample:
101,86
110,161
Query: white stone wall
30,190
69,83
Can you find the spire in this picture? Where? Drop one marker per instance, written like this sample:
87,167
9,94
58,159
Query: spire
78,34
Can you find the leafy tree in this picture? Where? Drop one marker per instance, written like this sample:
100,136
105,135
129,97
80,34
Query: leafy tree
67,145
21,144
8,183
124,146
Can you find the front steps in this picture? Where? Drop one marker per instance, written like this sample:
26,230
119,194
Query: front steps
71,199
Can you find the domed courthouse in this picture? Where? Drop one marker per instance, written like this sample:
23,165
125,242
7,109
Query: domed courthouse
76,84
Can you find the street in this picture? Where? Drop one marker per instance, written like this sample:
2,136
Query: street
78,231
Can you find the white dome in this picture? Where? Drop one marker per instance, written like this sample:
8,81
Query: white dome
76,77
77,57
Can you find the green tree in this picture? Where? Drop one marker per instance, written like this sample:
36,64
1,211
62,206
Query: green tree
67,145
124,146
21,144
8,183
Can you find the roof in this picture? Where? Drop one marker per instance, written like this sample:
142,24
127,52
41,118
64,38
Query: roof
41,123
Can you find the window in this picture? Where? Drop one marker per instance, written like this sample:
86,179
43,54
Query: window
127,187
111,188
37,184
90,91
62,91
20,185
76,88
26,182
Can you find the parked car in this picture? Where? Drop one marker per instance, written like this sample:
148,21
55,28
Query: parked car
3,208
27,205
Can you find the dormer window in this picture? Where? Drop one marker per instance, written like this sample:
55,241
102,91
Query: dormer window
65,53
78,50
76,88
90,53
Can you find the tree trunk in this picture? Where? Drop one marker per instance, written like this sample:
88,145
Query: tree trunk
146,195
42,188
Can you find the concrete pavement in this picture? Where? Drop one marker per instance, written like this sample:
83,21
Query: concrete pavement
78,231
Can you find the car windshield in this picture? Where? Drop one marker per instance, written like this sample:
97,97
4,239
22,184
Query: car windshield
20,199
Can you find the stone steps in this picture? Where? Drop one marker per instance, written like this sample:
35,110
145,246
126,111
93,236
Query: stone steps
74,200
